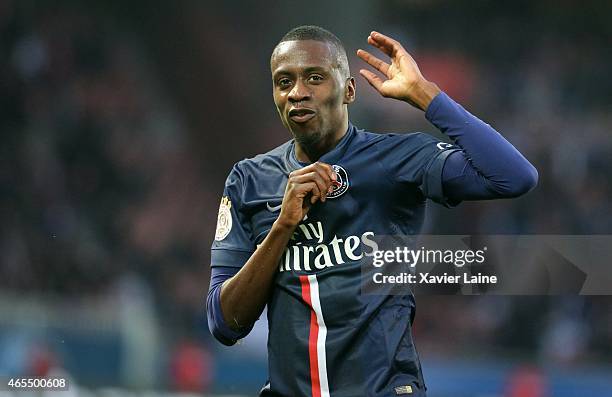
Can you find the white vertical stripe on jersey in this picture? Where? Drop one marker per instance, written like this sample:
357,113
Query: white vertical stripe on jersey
321,359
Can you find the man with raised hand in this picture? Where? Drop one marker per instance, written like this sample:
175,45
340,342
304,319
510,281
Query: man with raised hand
295,223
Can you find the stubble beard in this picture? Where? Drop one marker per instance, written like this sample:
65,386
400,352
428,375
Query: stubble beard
312,143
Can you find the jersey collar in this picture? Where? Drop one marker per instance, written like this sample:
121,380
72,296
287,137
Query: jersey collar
331,157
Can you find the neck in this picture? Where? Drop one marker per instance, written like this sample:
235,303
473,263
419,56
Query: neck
310,151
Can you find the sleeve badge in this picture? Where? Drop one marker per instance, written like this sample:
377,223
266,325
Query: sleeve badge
224,219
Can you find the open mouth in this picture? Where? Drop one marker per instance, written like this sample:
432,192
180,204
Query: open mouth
301,115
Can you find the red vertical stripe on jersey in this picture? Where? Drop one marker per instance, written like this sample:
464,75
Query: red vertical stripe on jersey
312,339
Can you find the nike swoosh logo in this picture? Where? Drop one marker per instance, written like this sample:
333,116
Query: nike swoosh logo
275,208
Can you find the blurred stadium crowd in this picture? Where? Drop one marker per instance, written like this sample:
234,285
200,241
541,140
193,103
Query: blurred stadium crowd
116,144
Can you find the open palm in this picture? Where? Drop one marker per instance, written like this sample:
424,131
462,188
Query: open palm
402,74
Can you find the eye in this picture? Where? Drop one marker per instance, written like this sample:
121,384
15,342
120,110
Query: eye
315,78
283,82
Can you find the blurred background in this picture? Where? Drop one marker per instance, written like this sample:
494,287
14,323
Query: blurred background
121,120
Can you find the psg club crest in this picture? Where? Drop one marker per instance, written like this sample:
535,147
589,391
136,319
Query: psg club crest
342,182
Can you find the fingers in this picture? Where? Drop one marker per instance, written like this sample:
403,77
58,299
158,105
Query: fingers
311,188
374,43
316,166
381,66
372,78
322,185
385,43
316,179
304,188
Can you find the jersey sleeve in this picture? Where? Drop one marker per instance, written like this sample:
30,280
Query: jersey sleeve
489,166
417,159
234,243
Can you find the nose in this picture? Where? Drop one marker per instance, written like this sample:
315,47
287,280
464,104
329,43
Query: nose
299,92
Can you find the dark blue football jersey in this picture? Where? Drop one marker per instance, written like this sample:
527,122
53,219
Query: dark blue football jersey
326,338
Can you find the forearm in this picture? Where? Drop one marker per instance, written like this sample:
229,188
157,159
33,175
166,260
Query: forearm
236,299
216,323
244,296
488,157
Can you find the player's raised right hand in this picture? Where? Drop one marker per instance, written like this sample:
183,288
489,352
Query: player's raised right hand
304,188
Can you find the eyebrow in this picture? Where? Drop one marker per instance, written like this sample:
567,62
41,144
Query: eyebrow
308,69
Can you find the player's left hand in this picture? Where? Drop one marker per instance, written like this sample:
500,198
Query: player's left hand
404,80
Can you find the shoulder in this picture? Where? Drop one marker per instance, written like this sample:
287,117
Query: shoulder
385,139
261,163
263,167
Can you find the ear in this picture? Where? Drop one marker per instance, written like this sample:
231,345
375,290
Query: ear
349,90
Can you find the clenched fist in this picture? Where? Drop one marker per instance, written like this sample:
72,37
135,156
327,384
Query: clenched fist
304,188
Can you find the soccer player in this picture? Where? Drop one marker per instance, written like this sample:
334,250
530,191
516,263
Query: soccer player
292,221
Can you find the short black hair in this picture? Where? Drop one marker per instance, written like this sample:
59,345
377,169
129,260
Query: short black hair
317,33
